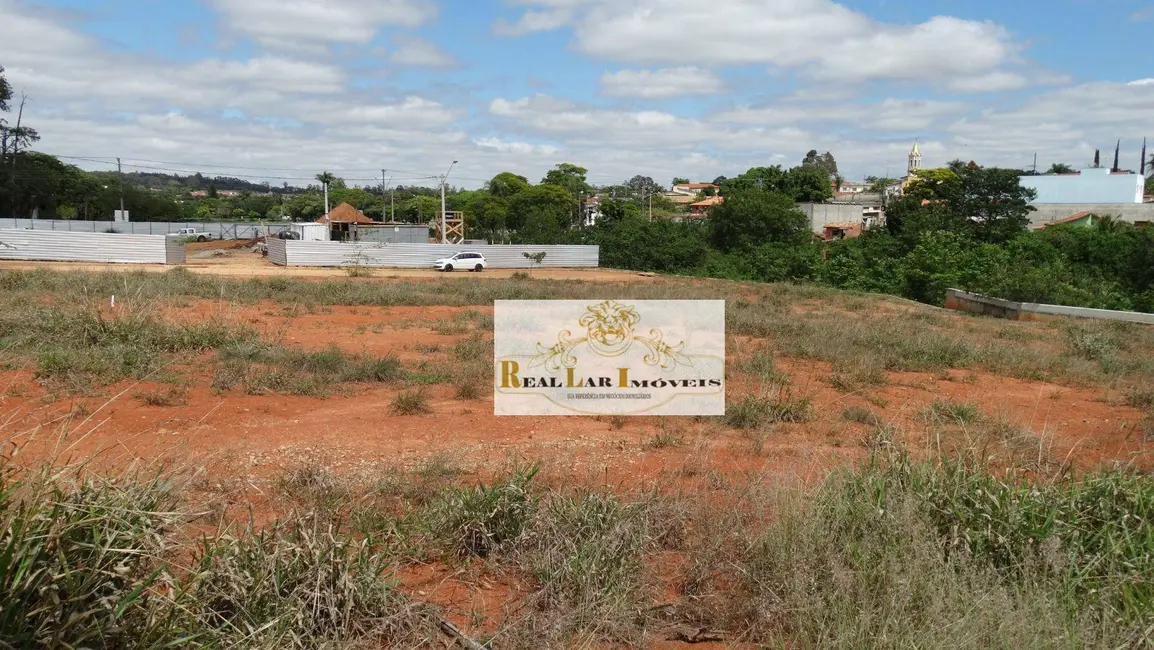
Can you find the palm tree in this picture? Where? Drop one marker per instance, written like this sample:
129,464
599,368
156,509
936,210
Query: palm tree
326,178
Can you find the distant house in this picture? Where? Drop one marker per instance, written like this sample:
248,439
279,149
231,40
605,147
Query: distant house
700,209
340,218
686,193
1085,219
591,211
1094,185
841,230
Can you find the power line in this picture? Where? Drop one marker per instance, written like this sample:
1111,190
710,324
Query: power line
127,161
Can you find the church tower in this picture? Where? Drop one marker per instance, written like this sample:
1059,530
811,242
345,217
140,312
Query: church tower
915,159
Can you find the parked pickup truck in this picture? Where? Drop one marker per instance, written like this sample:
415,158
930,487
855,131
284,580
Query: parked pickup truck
192,233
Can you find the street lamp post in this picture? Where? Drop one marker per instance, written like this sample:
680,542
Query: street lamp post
444,224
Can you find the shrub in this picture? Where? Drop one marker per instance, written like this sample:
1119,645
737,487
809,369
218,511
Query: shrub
410,402
466,389
757,411
945,411
479,520
80,560
861,416
299,583
1091,345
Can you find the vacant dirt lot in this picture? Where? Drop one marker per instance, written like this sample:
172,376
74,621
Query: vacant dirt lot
860,375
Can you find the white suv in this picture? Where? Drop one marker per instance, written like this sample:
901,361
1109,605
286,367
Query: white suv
471,261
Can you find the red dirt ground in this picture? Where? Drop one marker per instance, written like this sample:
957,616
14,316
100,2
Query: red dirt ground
248,439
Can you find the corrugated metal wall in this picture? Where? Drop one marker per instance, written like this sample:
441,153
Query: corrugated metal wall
394,234
174,251
311,253
218,229
83,247
276,252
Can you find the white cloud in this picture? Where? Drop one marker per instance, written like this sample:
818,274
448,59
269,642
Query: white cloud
827,40
996,81
413,50
533,21
892,114
519,148
300,110
306,22
661,84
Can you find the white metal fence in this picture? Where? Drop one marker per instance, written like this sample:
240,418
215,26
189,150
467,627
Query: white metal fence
276,252
326,253
89,247
218,229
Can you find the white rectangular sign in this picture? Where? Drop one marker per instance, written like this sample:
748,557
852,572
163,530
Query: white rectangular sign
609,357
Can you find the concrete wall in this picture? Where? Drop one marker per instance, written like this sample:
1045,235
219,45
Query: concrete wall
1131,212
822,213
1089,186
976,304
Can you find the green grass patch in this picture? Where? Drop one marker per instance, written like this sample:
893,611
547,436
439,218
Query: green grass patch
410,402
949,412
755,411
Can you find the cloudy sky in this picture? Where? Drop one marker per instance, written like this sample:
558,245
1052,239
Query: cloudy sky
281,89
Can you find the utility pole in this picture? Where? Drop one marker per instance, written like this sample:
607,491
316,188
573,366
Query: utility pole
120,175
1035,162
651,204
384,188
444,224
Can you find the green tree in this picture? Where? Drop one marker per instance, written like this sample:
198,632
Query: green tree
541,214
615,210
750,218
943,260
680,181
486,216
769,179
878,184
1060,168
822,162
994,202
807,185
657,246
643,185
421,208
5,91
506,184
572,178
802,184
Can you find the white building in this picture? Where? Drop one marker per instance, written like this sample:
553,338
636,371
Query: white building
1096,185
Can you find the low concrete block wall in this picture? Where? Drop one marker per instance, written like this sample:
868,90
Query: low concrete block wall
977,304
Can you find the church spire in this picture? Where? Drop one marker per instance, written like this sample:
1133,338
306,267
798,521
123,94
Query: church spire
915,159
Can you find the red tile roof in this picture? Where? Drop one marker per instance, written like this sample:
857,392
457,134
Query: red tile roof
345,213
